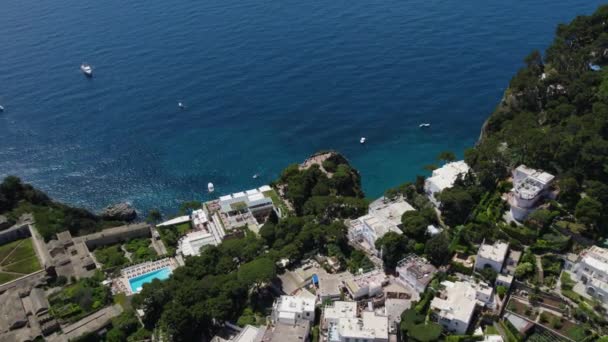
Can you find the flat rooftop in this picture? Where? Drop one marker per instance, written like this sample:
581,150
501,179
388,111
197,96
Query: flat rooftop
287,332
495,252
391,211
445,176
340,309
458,302
295,304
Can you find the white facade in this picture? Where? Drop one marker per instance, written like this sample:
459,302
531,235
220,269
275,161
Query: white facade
344,325
381,219
205,233
491,255
444,178
253,201
366,285
456,305
529,186
415,272
592,271
289,309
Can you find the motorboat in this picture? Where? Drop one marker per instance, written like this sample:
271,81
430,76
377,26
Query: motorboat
424,125
86,69
210,187
1,109
362,140
255,176
181,105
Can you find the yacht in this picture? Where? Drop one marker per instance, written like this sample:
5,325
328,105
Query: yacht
424,125
362,140
86,69
210,187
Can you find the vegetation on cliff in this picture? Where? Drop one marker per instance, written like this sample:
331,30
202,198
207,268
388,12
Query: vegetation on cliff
228,282
17,198
554,116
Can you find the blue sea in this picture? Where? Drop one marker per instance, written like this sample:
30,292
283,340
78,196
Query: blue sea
266,83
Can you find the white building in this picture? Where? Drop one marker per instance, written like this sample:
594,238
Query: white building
529,186
415,272
491,256
205,233
592,271
344,325
456,305
253,202
366,285
444,178
381,218
290,309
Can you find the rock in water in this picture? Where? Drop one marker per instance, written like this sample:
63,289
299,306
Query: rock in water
119,212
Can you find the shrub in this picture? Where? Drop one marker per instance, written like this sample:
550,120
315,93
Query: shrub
556,323
544,317
501,291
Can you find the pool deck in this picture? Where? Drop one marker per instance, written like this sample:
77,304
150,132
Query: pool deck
121,284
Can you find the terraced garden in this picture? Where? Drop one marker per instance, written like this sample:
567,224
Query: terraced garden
17,259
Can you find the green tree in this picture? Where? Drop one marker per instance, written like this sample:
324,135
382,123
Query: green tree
414,224
393,247
446,156
152,300
588,211
501,291
523,269
154,216
456,205
540,219
257,272
437,249
569,192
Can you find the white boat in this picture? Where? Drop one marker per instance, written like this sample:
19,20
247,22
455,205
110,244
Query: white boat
181,105
362,140
255,176
86,69
423,125
1,109
210,187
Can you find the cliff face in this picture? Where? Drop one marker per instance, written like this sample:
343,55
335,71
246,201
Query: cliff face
554,114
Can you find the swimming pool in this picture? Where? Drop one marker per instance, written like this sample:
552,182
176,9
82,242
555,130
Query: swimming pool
136,283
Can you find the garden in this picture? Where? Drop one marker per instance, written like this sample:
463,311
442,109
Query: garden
80,299
563,326
170,235
118,256
18,258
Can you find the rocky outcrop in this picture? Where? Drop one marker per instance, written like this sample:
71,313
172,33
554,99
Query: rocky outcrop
119,212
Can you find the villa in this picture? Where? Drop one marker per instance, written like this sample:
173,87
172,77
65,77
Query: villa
444,178
455,307
591,270
206,233
342,323
246,207
368,284
290,309
381,219
415,272
529,187
491,256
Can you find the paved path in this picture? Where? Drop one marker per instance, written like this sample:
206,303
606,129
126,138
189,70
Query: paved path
539,266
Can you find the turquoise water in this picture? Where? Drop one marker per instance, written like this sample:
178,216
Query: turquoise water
266,84
137,282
